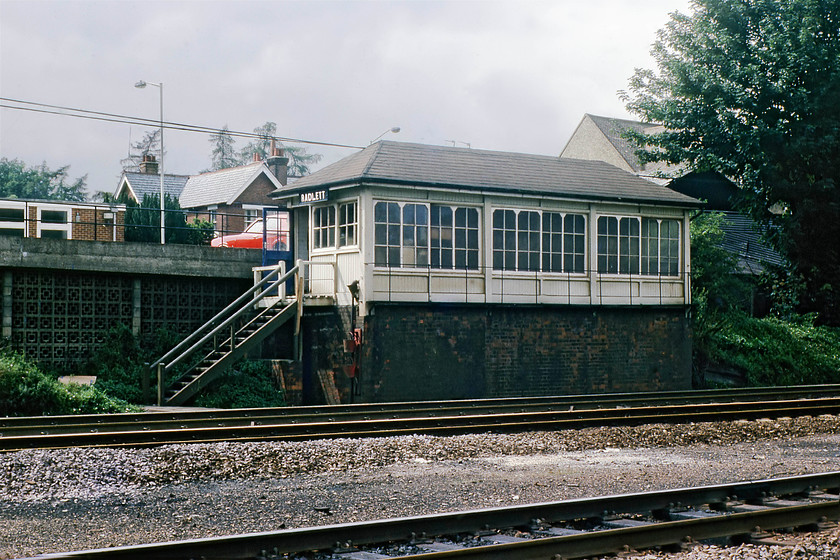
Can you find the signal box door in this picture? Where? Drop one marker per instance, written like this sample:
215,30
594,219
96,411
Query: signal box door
277,240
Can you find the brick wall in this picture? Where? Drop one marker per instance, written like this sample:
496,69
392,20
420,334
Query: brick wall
421,352
83,222
91,224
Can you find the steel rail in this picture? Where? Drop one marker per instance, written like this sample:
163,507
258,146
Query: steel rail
406,529
324,428
12,426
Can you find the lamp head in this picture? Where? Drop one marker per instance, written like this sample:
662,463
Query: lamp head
141,84
354,289
395,129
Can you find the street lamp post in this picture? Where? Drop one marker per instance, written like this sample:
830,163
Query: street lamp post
141,84
393,129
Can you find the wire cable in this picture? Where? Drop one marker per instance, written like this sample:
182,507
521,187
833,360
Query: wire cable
140,121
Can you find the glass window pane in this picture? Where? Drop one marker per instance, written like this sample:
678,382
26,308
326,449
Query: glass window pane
460,218
394,235
498,239
498,219
472,218
408,214
472,239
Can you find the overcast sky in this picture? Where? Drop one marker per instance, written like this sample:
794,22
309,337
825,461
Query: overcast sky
514,76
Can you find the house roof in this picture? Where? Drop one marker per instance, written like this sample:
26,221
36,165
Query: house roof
717,192
223,186
742,238
612,131
407,164
142,184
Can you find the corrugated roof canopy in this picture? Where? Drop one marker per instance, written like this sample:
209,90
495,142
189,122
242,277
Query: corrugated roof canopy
399,163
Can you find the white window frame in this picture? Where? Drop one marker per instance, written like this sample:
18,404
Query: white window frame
351,226
333,230
526,249
252,214
323,220
417,254
66,226
16,225
632,248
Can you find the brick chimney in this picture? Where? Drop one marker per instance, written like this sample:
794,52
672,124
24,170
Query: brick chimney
149,165
278,163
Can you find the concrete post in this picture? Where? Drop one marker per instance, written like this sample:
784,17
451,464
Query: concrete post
7,304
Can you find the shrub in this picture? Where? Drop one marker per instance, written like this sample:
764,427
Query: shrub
27,391
772,351
118,365
248,384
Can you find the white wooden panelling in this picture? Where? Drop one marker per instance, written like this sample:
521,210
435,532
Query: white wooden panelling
565,287
454,284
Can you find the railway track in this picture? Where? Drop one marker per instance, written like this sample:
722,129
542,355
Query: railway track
567,529
435,418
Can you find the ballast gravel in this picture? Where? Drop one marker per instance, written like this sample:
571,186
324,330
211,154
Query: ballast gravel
62,500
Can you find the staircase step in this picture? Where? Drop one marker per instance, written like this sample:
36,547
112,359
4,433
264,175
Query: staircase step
253,325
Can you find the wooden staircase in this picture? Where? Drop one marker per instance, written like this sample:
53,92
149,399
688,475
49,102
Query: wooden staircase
228,337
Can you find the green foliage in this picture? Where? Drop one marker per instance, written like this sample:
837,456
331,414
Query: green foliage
121,361
200,232
775,352
224,153
27,391
143,223
39,182
300,161
249,384
783,350
786,288
120,365
748,88
715,286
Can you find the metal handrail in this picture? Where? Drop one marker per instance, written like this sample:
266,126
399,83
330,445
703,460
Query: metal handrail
222,313
227,322
332,264
593,277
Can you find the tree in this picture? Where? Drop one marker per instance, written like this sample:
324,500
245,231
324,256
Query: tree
39,182
749,88
300,161
715,285
260,145
224,153
142,222
149,144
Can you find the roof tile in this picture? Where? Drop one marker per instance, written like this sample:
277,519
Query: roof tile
466,168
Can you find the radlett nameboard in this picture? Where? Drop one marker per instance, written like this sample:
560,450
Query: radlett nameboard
314,196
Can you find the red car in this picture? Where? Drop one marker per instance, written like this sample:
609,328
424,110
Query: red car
277,237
